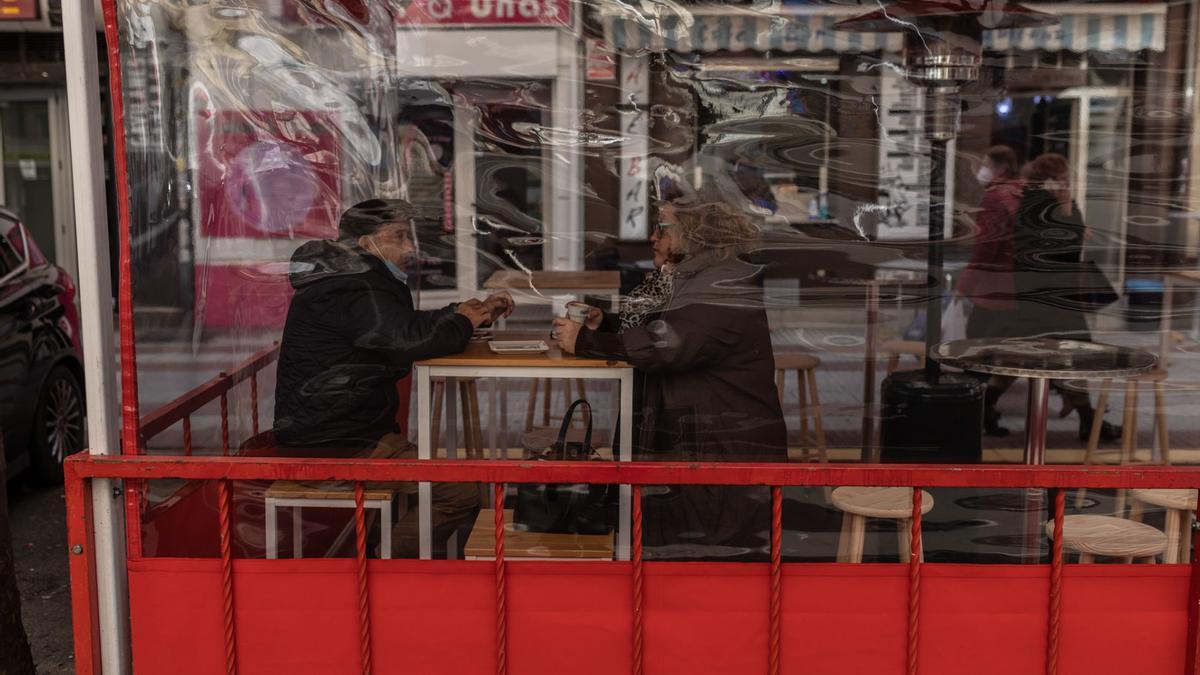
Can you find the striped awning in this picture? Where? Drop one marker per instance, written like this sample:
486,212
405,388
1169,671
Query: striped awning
1107,27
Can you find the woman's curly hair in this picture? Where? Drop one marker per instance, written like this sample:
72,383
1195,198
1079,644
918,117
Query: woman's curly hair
713,226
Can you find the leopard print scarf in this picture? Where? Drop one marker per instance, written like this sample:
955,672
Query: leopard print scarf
652,295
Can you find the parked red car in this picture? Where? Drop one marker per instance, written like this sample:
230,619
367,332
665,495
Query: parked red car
42,410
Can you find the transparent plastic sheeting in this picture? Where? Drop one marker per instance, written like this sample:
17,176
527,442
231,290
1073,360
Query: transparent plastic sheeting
755,181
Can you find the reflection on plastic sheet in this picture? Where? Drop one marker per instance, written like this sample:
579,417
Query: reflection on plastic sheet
550,137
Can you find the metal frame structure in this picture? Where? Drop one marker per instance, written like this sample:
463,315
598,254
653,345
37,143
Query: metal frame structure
83,471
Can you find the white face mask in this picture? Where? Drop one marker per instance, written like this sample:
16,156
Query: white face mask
984,175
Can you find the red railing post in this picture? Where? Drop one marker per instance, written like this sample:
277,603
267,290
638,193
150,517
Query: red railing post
1056,580
639,603
360,552
85,616
224,423
501,586
1192,658
914,584
776,603
225,509
254,403
187,436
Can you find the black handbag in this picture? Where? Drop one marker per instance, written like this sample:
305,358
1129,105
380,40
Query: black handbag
567,508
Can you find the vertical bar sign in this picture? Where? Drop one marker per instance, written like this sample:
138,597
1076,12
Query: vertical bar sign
635,128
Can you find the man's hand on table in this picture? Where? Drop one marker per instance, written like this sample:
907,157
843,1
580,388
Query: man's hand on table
500,304
564,333
475,311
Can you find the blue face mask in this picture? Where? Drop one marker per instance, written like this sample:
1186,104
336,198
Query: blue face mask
391,266
396,271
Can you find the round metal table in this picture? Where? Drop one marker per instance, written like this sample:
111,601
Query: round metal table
1041,360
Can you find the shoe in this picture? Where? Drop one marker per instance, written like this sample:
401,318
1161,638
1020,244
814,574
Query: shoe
991,424
1108,432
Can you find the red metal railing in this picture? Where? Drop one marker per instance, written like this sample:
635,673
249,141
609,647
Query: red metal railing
81,469
182,408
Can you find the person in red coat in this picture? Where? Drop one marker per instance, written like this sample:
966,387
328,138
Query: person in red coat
987,280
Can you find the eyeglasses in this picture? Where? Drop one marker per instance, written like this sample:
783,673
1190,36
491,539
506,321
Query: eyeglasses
660,227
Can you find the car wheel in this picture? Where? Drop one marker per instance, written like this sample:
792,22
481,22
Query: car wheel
59,425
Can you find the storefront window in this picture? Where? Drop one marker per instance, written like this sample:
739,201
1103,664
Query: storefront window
789,222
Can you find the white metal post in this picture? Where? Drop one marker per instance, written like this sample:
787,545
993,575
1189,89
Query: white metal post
96,310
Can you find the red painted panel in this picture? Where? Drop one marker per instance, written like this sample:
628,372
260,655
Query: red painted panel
243,296
1138,625
437,617
267,175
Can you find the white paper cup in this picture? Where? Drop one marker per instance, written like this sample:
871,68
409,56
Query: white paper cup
577,311
558,304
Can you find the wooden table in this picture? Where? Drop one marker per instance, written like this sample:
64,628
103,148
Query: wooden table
539,545
478,361
328,495
539,286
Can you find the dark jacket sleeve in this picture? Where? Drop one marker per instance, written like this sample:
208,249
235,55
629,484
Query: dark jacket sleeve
681,339
382,321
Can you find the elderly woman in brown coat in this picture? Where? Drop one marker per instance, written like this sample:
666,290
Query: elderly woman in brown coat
705,383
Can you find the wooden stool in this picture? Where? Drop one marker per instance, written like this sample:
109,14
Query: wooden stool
538,438
805,366
894,349
329,495
1179,506
547,387
1090,536
472,433
1129,431
859,503
1129,434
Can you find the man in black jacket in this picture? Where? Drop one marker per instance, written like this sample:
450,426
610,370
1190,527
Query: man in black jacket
351,333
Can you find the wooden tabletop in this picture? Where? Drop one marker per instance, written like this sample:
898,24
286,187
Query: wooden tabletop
584,281
479,354
290,489
481,543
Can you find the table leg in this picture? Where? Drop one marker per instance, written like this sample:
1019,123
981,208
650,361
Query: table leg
870,449
272,530
1035,421
424,451
385,530
1164,322
451,435
624,519
297,533
493,419
1035,454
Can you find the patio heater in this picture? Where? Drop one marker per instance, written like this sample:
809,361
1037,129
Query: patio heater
943,50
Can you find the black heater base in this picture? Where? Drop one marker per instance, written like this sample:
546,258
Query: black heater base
926,423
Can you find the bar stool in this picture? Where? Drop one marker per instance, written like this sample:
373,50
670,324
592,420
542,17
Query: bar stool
1108,536
890,503
1129,435
805,366
1179,505
1157,378
547,389
894,349
472,432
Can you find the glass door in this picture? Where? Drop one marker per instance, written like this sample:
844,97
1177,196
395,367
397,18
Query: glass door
35,171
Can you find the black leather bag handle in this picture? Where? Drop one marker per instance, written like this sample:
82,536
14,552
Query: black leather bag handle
560,446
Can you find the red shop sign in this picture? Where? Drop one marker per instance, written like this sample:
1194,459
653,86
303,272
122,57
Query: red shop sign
489,12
